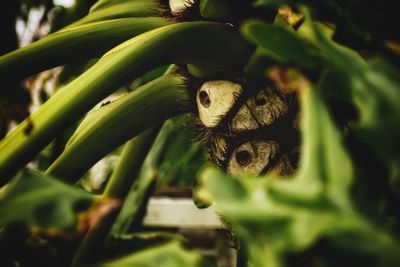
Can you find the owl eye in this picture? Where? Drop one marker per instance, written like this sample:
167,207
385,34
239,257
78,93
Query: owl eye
260,101
253,157
259,111
215,99
204,99
243,158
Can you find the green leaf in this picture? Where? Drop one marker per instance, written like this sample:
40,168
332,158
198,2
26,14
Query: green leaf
132,157
274,217
136,202
182,157
126,243
131,213
118,186
169,255
44,204
280,44
372,85
323,150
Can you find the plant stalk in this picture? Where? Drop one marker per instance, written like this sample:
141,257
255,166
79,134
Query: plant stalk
187,42
66,46
118,187
126,9
118,122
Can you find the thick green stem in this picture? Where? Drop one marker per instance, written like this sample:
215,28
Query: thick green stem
115,123
119,185
135,205
132,158
126,9
187,42
66,46
104,4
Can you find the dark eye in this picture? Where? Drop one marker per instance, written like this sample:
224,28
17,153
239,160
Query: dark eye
243,157
204,99
260,101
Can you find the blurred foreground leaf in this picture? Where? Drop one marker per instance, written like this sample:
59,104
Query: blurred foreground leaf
280,44
167,255
49,206
374,87
275,218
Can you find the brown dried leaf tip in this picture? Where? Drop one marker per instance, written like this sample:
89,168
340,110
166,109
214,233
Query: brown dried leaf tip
100,209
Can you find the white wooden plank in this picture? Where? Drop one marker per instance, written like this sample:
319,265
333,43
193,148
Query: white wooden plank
179,212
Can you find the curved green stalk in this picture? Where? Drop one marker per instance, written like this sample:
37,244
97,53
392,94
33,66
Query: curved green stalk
126,9
65,46
102,4
188,42
118,187
132,158
115,123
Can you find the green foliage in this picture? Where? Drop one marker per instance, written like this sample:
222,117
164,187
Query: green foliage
65,46
274,218
340,57
280,44
119,121
169,255
131,58
180,157
44,204
172,161
315,211
374,89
